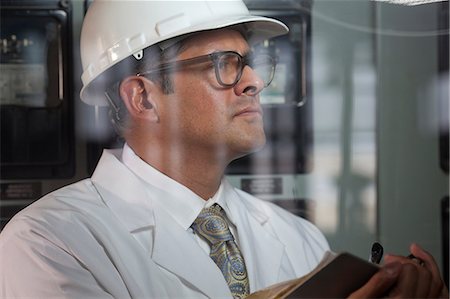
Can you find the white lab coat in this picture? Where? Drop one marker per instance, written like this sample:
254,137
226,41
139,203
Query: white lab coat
98,239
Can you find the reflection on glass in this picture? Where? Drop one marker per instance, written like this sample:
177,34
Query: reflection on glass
35,121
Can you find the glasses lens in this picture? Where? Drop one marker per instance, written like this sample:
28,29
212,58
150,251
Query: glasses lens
228,68
264,66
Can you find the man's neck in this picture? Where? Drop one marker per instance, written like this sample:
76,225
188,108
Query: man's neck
200,172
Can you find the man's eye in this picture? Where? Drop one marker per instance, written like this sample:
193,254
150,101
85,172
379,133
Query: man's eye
223,63
229,62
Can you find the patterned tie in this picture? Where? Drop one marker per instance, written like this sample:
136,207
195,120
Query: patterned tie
212,226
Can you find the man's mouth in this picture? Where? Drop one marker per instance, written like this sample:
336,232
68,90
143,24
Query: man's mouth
250,111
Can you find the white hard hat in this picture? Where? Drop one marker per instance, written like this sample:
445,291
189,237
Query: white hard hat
116,29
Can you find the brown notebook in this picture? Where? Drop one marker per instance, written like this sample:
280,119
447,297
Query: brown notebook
336,276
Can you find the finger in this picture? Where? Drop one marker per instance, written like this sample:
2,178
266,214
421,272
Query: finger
380,283
416,279
391,258
437,286
424,282
407,282
427,259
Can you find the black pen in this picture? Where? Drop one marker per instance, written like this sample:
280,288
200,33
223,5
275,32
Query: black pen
376,253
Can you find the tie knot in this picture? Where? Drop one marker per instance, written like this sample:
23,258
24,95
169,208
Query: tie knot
211,224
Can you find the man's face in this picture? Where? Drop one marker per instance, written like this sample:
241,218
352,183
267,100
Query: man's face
205,116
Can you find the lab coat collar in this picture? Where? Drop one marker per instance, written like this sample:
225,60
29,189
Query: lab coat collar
178,200
122,192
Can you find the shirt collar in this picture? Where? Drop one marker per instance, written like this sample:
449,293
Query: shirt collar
221,199
178,201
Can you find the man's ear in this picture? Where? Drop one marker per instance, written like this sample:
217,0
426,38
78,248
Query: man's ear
137,94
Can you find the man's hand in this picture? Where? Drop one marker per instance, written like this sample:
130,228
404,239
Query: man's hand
405,277
420,276
380,283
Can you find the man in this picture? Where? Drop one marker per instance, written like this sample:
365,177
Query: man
183,86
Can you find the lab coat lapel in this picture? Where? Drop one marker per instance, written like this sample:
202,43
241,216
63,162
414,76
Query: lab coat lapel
262,252
122,192
178,252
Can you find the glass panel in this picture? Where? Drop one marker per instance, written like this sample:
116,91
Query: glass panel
35,128
30,61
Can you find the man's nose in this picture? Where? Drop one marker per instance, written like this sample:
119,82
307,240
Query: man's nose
250,83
